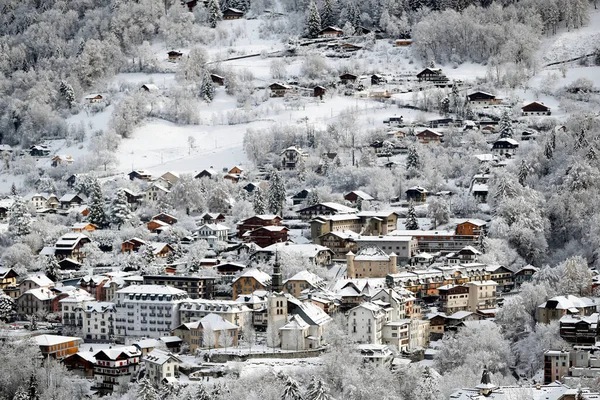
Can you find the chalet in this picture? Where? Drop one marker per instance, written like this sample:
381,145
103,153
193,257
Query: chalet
340,242
257,221
212,218
39,151
251,281
71,180
250,187
191,4
156,191
149,87
482,98
301,196
160,250
94,98
232,13
429,136
319,91
577,329
116,367
403,42
81,364
42,201
525,274
471,227
133,199
169,178
434,75
502,276
331,32
217,79
327,208
529,135
69,265
278,89
161,366
61,160
174,56
416,194
505,147
377,79
349,47
209,173
266,235
229,269
132,245
166,218
156,226
139,174
535,108
355,195
69,246
83,227
348,78
291,156
213,234
8,282
72,200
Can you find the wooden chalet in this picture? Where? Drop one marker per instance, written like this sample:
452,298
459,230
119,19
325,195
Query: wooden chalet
166,218
209,173
482,98
417,194
174,56
217,79
331,32
39,151
266,235
434,75
94,98
403,42
319,91
429,136
232,13
278,89
348,78
139,174
535,108
149,87
132,245
212,218
257,221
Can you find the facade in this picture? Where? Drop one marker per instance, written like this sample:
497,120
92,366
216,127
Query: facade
556,365
417,194
161,365
303,280
56,346
434,75
557,307
502,276
305,329
368,223
197,287
358,195
525,274
8,282
278,89
331,32
429,136
324,209
116,367
257,221
211,331
213,234
147,310
482,295
267,235
371,262
535,108
339,242
577,329
405,247
235,312
453,298
482,99
251,281
291,157
69,246
505,147
98,321
319,255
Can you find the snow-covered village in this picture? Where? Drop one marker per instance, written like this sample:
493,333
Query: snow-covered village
299,200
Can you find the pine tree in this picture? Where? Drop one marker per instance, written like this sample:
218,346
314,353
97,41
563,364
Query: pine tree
524,169
19,221
505,126
33,326
592,155
207,89
51,268
319,392
548,150
445,106
214,13
411,218
21,394
359,204
97,215
354,16
313,198
32,390
146,391
327,17
7,307
148,254
259,201
276,196
202,393
119,209
413,160
68,94
13,189
313,22
291,390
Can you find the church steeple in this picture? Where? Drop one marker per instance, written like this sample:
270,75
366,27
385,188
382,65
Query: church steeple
485,387
277,279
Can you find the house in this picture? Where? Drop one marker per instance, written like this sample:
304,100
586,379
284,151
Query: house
482,98
94,98
325,209
348,78
556,365
174,56
132,245
301,196
161,366
133,199
482,295
43,201
505,147
8,282
56,346
251,281
434,75
319,91
83,227
212,218
35,301
67,264
403,42
429,136
417,194
318,255
579,329
339,242
525,274
535,108
291,157
81,364
156,191
212,331
213,234
377,79
468,254
115,367
404,247
355,195
71,201
266,235
171,178
61,160
453,298
370,262
166,218
250,187
305,329
197,287
139,174
278,89
217,79
69,246
349,47
228,270
232,13
502,276
39,150
471,227
330,32
149,87
257,221
98,317
209,173
559,306
303,280
160,250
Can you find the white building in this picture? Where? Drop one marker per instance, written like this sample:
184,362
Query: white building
71,308
233,311
213,233
98,321
405,247
161,366
116,367
305,329
147,310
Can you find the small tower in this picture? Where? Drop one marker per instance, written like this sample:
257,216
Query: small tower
277,306
393,267
486,386
277,279
350,265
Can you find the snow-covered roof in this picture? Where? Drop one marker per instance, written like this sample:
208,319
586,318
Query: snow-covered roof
306,250
152,289
460,315
343,234
100,307
53,340
296,323
339,217
372,253
41,294
507,140
553,391
340,208
307,276
69,197
157,247
69,240
82,225
568,302
151,87
115,352
214,227
147,343
480,187
40,280
312,314
160,357
262,277
77,296
215,322
216,306
383,238
404,232
362,195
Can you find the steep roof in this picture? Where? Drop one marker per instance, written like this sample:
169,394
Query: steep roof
160,357
371,253
215,322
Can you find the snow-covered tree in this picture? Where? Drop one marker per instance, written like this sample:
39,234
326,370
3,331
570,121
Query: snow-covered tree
67,93
7,307
276,194
411,218
97,215
292,390
258,203
146,391
320,391
313,20
524,169
208,339
207,89
313,198
413,161
327,16
428,386
505,126
438,210
214,13
33,392
19,221
51,267
21,394
576,277
120,211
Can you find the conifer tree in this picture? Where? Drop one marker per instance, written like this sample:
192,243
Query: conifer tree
319,392
97,215
202,393
411,218
276,197
259,202
207,89
21,394
148,254
524,169
313,22
327,17
354,16
13,189
119,209
413,160
548,149
146,391
313,198
68,94
33,326
19,221
291,390
51,268
33,390
214,13
505,126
